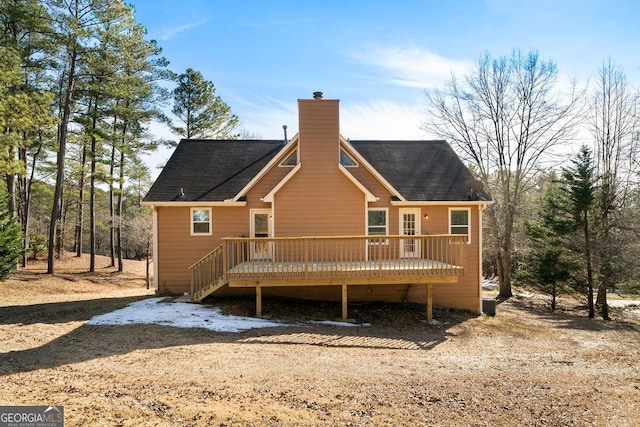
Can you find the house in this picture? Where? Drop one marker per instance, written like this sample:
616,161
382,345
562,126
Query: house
319,217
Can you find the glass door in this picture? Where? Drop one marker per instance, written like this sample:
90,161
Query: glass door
261,227
410,226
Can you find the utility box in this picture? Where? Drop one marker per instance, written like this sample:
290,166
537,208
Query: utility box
489,306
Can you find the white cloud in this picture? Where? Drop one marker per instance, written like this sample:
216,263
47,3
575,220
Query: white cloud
264,116
411,66
167,33
381,119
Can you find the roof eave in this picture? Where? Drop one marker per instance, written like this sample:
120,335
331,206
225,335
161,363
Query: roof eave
225,203
441,202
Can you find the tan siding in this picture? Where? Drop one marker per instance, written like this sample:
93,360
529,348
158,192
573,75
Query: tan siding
372,184
319,133
177,249
318,201
265,185
319,204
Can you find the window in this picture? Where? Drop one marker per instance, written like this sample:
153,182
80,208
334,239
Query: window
201,221
377,222
459,222
346,160
291,160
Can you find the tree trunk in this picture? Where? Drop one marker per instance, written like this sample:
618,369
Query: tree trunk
606,269
80,219
26,184
62,141
119,212
112,221
92,188
587,254
92,204
11,182
23,203
504,268
601,300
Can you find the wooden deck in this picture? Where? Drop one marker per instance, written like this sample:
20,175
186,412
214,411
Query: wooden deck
321,261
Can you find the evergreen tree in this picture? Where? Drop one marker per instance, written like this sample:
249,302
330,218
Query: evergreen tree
202,114
550,260
579,184
10,244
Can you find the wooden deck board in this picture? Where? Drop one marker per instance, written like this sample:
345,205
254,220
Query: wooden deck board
269,267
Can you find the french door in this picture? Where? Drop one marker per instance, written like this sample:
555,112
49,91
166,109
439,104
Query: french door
409,226
261,227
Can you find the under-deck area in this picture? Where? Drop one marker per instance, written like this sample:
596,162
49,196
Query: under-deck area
320,261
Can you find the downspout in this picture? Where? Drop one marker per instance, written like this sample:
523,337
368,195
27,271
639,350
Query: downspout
481,209
156,255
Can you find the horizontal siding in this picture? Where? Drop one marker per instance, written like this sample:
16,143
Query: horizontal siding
317,201
177,249
319,133
265,185
325,204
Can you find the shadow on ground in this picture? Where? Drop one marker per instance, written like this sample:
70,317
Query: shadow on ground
382,326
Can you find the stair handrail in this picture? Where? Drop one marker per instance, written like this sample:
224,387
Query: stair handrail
207,270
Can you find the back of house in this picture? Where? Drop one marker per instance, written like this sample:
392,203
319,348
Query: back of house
319,188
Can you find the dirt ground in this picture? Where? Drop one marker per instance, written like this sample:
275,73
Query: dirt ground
525,366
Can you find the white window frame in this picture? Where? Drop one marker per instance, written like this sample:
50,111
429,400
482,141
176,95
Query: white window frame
192,222
353,161
288,156
451,226
386,224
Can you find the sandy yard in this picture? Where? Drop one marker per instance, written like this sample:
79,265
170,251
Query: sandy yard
525,366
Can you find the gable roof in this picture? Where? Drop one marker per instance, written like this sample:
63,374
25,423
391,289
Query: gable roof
420,170
217,170
211,170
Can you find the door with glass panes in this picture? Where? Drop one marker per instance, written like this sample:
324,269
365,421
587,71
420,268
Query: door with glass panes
409,226
261,227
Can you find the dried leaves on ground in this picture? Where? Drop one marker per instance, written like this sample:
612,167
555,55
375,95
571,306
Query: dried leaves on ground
525,366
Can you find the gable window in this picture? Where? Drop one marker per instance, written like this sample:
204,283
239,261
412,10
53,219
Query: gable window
200,221
346,160
377,224
291,160
459,222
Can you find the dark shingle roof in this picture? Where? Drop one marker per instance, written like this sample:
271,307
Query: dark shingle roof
420,170
211,170
216,170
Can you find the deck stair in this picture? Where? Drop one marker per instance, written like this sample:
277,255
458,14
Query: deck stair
208,290
207,275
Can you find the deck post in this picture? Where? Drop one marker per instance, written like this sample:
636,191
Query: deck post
429,302
258,301
344,302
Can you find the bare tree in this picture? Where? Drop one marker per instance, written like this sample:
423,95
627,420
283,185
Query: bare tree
505,116
614,126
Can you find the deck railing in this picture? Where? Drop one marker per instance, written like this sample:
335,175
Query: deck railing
313,258
207,271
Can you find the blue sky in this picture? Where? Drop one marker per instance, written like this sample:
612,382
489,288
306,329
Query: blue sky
377,57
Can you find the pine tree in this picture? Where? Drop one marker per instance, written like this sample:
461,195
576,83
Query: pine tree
10,244
579,184
550,260
202,114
